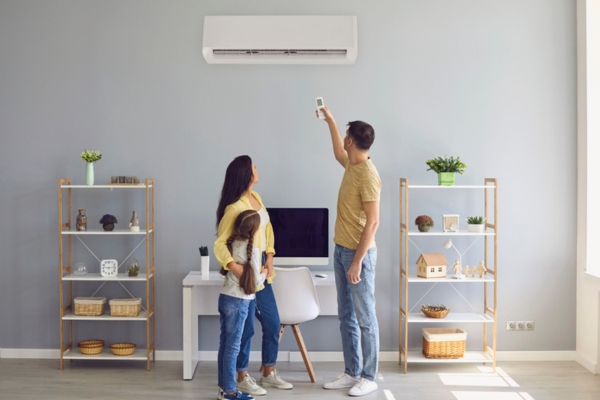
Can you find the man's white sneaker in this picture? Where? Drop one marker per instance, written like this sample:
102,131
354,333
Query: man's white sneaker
248,385
341,382
362,387
274,380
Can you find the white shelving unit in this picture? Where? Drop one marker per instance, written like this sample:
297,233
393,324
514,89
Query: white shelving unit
487,317
66,230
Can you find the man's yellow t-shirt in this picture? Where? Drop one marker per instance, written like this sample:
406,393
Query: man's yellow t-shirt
361,183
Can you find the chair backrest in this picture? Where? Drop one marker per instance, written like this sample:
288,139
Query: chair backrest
296,295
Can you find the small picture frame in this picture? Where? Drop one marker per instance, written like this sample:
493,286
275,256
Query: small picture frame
450,222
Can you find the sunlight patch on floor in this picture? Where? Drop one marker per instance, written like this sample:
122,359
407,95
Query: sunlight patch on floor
485,378
388,395
491,396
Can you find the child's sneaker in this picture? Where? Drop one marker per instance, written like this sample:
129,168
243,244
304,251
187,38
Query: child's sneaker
273,380
248,385
234,396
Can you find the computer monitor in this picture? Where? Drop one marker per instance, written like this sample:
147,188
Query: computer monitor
301,236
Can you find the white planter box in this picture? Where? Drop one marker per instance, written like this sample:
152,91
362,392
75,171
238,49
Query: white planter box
476,228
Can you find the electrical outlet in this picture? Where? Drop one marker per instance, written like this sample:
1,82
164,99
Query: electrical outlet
511,325
529,325
520,325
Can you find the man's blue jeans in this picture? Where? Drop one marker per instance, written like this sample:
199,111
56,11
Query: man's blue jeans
233,313
356,312
265,309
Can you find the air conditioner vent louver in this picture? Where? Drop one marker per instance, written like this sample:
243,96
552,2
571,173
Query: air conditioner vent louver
279,39
290,52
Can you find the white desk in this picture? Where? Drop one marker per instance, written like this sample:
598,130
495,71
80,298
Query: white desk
201,297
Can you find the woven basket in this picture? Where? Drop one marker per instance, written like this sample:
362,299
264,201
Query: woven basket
122,349
444,342
90,347
435,314
125,307
90,306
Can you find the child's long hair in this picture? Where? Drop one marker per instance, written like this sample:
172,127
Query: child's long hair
245,227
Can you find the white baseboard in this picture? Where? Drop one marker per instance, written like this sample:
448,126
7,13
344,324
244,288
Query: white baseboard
588,364
321,356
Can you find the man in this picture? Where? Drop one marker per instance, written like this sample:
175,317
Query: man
355,255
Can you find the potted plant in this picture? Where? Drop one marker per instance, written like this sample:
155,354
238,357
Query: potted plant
424,222
476,223
108,222
204,260
90,157
134,268
446,168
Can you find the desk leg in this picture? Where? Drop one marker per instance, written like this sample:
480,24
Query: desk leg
190,331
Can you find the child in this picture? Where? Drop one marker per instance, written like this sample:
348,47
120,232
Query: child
235,299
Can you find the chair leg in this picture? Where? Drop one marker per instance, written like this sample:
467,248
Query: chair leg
281,332
304,352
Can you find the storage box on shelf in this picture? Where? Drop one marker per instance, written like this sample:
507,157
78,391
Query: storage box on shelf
486,317
86,309
444,342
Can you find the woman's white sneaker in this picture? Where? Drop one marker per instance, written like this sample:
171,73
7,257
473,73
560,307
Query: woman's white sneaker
342,382
363,387
274,380
248,385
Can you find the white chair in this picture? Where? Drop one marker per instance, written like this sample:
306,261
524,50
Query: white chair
297,302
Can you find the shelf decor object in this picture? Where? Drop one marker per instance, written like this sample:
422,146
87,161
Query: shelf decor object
444,342
92,306
439,311
476,223
439,345
204,261
424,222
140,308
450,222
446,168
90,157
122,349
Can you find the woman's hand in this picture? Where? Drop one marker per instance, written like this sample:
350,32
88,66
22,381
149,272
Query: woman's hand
269,264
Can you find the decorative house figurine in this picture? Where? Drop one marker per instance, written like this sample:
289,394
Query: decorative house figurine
134,224
432,265
481,269
450,222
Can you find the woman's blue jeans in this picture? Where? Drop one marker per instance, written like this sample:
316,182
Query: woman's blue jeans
233,313
356,312
265,309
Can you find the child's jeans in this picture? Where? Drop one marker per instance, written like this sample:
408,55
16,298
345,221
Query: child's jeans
233,312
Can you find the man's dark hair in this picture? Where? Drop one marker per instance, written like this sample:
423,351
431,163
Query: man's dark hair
362,133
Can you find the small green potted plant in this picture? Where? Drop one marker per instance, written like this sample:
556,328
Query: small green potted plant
134,268
446,168
90,157
476,223
424,222
108,222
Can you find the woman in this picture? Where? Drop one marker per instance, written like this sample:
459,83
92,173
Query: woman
237,196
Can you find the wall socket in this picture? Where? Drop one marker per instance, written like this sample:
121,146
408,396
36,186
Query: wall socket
520,325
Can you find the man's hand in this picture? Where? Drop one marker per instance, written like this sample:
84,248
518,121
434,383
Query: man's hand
353,274
326,112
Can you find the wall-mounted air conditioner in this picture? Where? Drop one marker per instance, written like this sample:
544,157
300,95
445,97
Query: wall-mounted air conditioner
279,39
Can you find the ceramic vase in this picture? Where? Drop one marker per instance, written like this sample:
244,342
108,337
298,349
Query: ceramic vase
423,228
446,178
204,264
475,228
89,174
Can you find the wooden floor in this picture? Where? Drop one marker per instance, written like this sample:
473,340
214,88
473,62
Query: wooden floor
42,379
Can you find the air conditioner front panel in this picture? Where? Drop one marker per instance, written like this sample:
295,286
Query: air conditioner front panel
280,39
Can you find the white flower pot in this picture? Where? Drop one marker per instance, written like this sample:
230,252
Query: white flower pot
478,228
204,264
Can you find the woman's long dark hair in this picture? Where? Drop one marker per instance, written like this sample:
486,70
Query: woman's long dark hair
237,180
245,227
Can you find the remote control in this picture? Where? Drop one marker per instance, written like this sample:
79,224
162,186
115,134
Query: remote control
319,101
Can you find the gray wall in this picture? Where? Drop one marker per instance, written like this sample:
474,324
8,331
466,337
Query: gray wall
493,82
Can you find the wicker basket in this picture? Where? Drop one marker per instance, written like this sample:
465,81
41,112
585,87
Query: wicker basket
444,342
90,306
90,347
122,349
435,314
125,307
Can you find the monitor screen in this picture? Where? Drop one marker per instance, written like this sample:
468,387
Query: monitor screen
301,235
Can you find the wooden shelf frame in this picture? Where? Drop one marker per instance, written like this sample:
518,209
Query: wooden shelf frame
488,317
66,232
